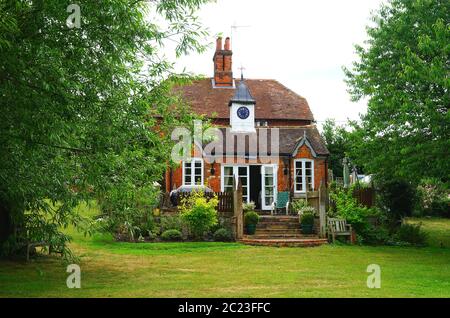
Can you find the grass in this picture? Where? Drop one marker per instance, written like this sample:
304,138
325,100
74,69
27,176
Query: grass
112,269
438,230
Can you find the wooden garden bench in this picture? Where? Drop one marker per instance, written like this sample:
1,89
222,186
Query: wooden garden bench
51,248
339,227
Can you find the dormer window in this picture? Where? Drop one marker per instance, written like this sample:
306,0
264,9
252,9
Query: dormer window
262,123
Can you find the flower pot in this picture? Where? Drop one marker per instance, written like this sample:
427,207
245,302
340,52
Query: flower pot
251,229
307,228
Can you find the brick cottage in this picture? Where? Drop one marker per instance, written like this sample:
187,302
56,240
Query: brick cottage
266,136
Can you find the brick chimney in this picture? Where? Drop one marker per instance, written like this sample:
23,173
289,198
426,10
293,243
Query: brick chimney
223,73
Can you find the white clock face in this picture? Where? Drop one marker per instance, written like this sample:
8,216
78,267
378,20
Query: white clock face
243,112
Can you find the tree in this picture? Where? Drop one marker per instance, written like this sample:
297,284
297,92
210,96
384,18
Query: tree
78,105
336,140
403,72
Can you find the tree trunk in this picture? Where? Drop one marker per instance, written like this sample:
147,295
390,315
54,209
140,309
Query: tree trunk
5,221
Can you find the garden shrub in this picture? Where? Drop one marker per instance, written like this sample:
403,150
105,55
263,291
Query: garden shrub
222,235
171,235
251,217
199,213
149,228
397,197
374,235
128,213
171,222
432,198
411,233
301,206
247,207
347,207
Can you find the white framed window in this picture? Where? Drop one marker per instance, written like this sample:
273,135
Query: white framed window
228,172
193,172
303,175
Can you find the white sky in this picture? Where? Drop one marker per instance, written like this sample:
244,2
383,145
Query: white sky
301,43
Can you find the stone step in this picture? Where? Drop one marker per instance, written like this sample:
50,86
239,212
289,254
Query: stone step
275,221
278,226
304,242
278,231
295,221
280,235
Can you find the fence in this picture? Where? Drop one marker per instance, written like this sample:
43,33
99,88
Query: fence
225,200
365,196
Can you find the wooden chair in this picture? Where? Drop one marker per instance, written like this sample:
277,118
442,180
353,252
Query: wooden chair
339,227
281,203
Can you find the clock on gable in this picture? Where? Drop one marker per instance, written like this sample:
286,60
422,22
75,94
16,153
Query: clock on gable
242,109
243,112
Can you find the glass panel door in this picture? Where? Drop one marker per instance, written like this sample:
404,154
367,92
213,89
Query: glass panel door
230,172
269,185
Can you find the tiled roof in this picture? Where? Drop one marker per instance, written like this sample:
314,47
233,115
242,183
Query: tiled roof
273,100
288,140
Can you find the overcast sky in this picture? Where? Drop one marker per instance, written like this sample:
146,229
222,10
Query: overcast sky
301,43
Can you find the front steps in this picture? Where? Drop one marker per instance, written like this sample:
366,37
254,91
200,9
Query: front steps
281,231
309,242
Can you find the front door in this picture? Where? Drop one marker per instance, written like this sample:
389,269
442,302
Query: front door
269,186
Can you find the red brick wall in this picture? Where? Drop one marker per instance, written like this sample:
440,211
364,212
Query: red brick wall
283,182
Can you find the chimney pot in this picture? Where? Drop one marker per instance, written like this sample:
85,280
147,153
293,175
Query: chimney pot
227,44
219,44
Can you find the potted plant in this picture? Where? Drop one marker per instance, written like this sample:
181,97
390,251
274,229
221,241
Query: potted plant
306,215
251,219
307,222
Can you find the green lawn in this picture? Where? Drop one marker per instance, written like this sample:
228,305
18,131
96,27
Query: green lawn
111,269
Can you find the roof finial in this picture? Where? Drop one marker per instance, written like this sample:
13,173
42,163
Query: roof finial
242,72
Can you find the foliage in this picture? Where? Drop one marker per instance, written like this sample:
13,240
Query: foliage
411,233
251,218
172,222
337,141
172,235
129,213
222,235
199,212
403,72
433,198
347,207
77,104
301,207
38,230
307,218
397,197
250,206
297,205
